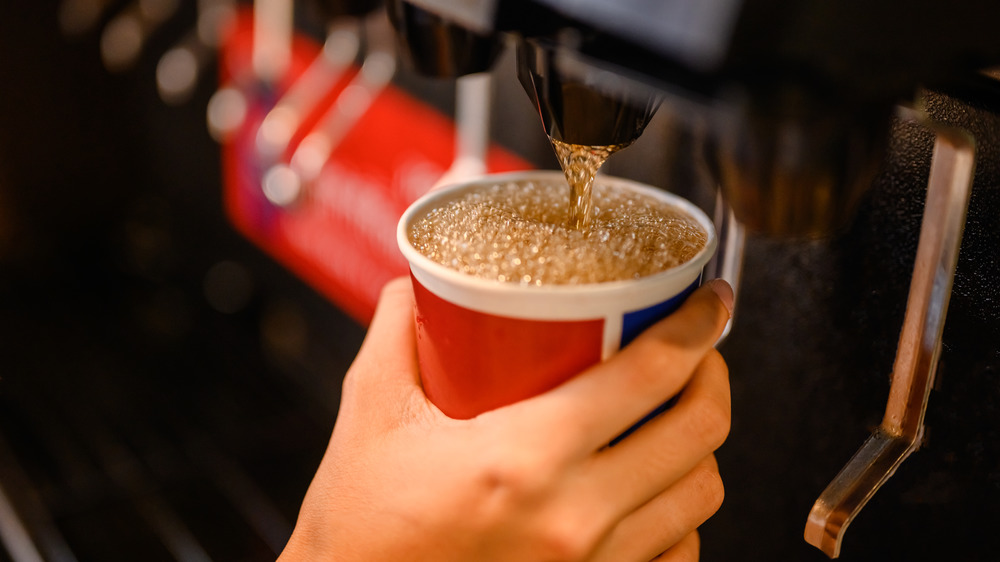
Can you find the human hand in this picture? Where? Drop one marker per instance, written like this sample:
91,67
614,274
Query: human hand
533,481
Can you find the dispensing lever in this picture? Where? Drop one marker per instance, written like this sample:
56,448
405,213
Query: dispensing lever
274,25
283,121
473,93
285,184
727,263
902,427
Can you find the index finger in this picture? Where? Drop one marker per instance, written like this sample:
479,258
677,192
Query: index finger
608,398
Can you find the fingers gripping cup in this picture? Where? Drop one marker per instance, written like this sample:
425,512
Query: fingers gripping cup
503,314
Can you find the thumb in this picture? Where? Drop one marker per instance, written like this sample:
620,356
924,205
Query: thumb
385,373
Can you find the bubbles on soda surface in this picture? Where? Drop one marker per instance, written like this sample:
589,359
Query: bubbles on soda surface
517,232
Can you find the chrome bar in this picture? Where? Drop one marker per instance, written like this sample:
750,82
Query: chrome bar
727,263
901,431
272,38
285,184
282,122
28,531
473,101
14,535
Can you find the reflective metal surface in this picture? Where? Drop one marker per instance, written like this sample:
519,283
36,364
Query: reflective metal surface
902,429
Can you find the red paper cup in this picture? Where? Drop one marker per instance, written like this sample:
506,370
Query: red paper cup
484,344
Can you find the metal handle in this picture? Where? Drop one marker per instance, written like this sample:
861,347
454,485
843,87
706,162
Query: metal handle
284,184
902,426
282,122
472,135
727,263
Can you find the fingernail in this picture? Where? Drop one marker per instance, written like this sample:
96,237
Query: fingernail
724,292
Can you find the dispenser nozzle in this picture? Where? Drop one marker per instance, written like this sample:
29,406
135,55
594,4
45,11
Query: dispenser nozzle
577,108
437,47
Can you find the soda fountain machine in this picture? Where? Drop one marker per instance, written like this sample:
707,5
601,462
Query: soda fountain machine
850,153
803,111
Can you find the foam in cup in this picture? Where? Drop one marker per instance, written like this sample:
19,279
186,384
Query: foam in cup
517,232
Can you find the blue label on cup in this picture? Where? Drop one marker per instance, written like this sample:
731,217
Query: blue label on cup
633,323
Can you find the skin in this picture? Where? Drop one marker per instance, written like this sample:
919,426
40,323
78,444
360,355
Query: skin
532,481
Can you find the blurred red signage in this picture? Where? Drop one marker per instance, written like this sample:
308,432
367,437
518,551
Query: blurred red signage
339,235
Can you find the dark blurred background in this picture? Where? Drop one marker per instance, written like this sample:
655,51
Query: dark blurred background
167,389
